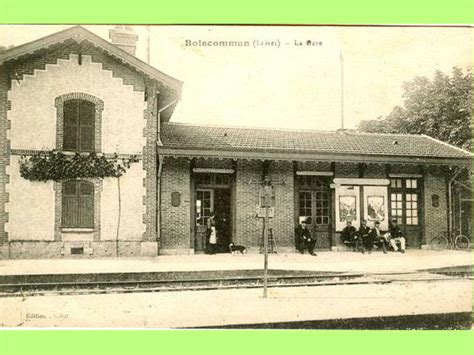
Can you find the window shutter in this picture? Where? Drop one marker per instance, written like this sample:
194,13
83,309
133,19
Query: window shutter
86,205
71,123
79,120
69,204
87,118
78,204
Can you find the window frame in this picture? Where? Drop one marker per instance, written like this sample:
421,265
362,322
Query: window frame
77,123
321,209
410,192
78,199
98,109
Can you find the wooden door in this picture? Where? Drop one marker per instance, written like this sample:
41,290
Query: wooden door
204,208
320,220
405,208
314,201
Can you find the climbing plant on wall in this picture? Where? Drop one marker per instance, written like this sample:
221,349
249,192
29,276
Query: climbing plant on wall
57,166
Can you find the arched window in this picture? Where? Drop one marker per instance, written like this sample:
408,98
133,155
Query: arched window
78,127
78,204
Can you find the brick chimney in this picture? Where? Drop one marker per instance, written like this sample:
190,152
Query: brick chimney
124,37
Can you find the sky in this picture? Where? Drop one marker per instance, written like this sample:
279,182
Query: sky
289,86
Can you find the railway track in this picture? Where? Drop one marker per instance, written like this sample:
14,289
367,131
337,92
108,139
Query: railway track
131,283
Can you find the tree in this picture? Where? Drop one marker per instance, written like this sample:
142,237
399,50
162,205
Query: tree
440,108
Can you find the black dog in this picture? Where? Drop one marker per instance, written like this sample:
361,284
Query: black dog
237,248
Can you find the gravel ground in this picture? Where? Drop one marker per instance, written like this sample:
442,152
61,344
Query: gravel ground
238,306
325,261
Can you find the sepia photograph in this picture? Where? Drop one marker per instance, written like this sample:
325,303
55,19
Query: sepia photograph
236,177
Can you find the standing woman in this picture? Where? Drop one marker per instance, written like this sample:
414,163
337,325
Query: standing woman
212,235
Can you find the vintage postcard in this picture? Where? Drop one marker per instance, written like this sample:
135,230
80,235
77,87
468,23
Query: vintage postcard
276,177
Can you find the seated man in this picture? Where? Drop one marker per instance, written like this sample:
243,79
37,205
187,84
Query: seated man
364,232
349,235
304,238
375,236
396,236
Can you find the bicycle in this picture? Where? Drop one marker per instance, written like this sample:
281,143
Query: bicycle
450,240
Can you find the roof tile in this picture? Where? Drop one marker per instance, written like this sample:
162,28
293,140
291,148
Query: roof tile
188,136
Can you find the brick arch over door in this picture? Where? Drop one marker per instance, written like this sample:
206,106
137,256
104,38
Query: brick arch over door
99,107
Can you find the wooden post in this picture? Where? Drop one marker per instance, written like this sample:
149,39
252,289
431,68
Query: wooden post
267,194
266,185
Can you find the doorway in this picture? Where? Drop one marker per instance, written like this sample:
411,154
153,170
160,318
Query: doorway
212,198
204,208
223,219
404,202
314,203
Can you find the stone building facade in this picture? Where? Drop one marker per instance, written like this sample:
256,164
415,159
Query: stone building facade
40,82
185,173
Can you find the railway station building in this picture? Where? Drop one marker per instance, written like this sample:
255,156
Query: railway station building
76,94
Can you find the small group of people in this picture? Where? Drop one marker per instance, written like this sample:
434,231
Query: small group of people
367,237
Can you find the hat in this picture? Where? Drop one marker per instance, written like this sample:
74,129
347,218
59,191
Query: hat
305,220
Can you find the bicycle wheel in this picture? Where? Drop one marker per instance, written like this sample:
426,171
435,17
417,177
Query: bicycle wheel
462,242
438,243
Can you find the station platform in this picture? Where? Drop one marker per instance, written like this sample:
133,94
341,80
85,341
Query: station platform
377,262
388,287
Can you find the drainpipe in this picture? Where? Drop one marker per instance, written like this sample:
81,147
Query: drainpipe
450,200
158,195
160,169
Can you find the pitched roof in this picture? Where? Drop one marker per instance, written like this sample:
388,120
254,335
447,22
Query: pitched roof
179,138
78,34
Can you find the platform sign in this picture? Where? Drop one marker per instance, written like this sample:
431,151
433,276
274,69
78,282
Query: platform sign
261,212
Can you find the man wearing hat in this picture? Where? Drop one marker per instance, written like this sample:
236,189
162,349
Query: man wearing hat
304,240
396,237
376,236
349,235
364,234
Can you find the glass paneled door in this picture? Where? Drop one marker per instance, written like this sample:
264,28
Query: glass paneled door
314,201
405,208
203,210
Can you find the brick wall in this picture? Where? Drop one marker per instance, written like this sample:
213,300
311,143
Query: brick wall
283,223
435,218
346,170
248,228
375,171
150,165
213,163
313,166
175,221
29,64
404,169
